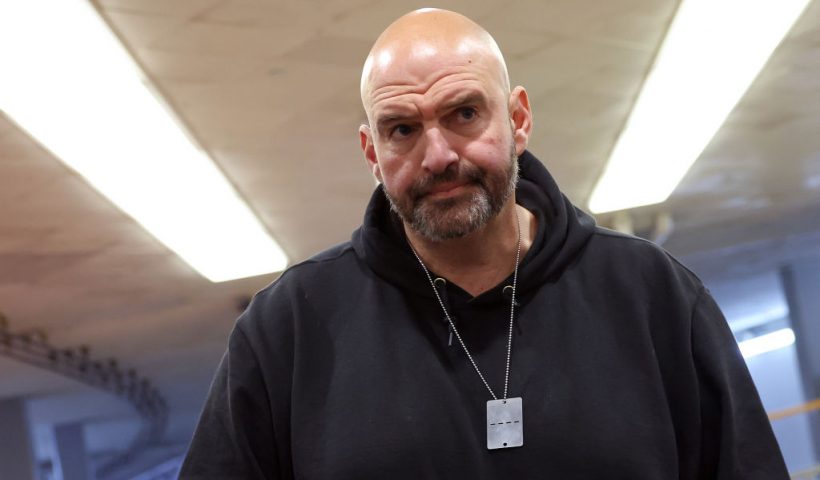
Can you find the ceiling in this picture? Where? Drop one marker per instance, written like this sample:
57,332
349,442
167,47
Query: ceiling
270,90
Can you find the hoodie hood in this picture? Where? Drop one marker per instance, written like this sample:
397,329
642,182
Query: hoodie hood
563,231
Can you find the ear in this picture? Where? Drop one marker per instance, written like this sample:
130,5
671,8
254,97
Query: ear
366,141
520,118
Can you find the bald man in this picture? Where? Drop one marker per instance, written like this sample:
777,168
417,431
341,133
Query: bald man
477,325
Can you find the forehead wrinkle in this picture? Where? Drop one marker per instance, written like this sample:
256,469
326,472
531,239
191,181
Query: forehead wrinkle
432,102
403,110
431,89
467,96
392,91
421,84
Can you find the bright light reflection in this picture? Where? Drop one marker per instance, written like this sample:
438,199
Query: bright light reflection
713,51
69,82
767,343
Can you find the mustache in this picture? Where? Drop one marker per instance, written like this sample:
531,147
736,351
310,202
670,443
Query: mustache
465,174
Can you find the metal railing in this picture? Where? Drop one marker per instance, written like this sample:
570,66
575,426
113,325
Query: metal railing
33,348
812,473
807,407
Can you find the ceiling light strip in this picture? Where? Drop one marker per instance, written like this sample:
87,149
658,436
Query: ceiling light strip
68,81
713,51
767,343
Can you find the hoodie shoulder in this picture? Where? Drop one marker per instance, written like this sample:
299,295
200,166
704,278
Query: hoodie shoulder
300,274
332,253
324,271
626,243
637,258
318,261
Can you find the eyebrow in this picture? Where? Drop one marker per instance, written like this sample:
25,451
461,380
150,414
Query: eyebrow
470,97
462,99
384,121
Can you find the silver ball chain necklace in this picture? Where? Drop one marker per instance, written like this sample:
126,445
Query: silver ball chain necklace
505,422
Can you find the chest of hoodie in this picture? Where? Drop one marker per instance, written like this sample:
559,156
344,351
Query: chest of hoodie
378,381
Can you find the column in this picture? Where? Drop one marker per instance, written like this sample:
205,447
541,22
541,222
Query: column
69,442
16,456
801,285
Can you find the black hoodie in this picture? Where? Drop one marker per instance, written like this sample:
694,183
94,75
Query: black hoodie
344,368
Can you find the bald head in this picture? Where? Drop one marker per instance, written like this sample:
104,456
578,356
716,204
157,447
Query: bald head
443,127
422,44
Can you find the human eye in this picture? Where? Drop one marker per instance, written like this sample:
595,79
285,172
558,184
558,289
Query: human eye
400,131
466,114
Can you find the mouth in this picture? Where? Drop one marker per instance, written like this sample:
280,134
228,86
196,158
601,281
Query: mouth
447,189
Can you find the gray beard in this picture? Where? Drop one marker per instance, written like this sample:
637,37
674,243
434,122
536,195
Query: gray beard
452,218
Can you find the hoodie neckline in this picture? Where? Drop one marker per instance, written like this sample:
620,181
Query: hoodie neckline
563,231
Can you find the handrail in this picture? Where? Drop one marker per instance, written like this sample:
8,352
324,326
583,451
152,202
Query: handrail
76,363
809,474
808,407
796,410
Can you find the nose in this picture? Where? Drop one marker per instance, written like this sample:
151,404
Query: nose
438,154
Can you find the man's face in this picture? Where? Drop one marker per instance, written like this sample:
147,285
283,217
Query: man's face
430,209
442,143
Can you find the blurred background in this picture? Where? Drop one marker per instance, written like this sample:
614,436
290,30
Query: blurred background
109,335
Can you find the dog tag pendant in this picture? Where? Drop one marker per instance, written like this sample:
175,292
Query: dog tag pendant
505,423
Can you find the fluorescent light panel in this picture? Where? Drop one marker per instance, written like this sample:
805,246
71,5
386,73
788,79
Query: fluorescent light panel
776,311
767,343
69,82
713,51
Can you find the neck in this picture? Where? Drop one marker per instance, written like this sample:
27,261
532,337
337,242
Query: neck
481,260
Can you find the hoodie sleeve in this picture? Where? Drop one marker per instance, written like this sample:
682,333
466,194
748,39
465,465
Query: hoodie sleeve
234,438
737,439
